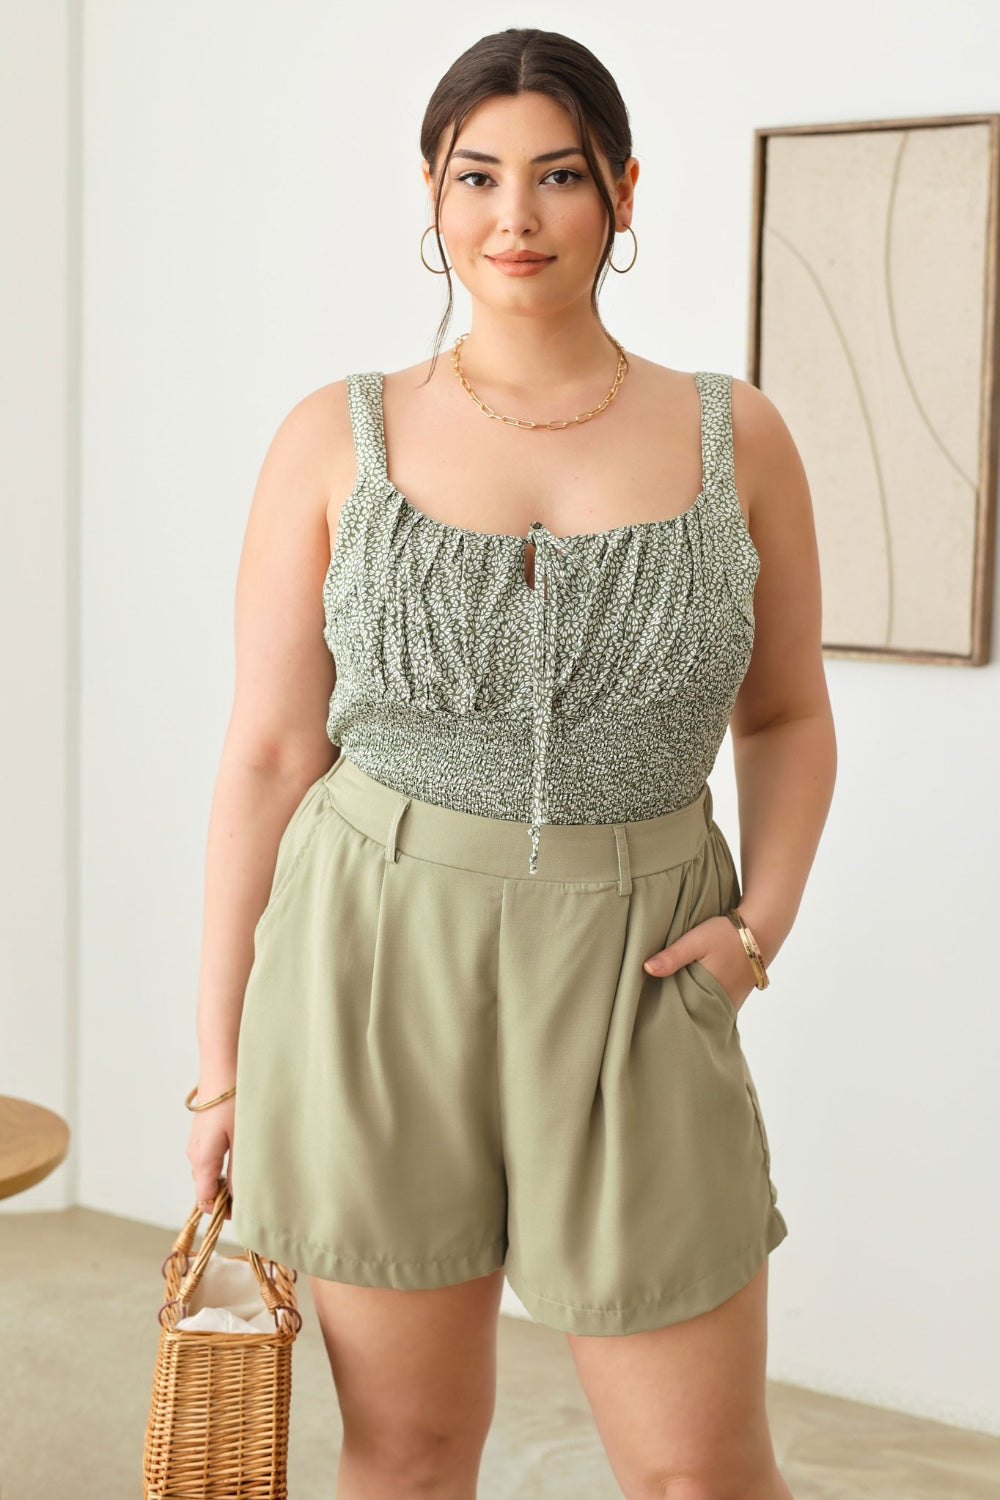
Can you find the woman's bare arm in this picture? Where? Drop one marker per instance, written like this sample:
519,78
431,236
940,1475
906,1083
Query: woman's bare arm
784,745
784,742
275,744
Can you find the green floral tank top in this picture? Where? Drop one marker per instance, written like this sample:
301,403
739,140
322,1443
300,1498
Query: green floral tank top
600,695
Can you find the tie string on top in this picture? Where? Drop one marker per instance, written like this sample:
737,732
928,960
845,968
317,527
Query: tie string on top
559,562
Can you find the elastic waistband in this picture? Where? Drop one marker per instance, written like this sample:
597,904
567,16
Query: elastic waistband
598,852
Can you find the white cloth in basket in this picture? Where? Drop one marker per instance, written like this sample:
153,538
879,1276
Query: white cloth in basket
227,1299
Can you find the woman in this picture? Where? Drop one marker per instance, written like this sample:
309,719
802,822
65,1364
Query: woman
477,977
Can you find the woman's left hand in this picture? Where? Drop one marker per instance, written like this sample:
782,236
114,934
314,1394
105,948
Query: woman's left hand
717,945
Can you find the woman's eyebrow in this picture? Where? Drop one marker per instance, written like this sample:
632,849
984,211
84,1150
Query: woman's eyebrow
495,160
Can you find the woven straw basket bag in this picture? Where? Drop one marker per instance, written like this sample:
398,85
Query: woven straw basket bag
218,1418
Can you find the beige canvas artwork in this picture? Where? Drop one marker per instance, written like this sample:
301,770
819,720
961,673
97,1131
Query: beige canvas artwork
874,331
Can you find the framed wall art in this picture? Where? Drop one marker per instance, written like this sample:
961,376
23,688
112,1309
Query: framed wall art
874,328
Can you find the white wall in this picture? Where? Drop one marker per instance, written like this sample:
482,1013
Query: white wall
39,572
251,211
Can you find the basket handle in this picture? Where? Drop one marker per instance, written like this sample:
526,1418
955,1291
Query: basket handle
183,1243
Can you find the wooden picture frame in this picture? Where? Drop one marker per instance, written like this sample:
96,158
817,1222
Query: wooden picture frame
874,328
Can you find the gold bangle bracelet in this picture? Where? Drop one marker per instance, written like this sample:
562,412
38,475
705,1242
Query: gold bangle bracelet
752,948
208,1102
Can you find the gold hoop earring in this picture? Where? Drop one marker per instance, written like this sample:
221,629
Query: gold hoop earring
437,271
622,269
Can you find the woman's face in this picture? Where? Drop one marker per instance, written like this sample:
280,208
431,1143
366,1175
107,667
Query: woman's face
515,202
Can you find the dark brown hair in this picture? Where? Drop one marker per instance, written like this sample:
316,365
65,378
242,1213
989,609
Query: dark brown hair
513,62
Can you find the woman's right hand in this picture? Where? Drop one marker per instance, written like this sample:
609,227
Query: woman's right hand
211,1137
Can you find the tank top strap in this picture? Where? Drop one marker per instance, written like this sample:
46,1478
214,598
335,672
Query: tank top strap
716,391
364,395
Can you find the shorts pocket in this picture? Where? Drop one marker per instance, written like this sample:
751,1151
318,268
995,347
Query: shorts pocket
707,981
760,1120
295,839
728,875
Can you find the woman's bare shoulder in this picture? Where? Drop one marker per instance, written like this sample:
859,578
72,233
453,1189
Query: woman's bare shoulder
762,443
766,454
315,436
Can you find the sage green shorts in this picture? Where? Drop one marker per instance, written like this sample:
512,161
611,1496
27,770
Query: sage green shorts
447,1065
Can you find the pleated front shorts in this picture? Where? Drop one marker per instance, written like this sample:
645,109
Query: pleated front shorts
446,1065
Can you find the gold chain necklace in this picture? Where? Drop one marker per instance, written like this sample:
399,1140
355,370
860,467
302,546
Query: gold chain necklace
523,421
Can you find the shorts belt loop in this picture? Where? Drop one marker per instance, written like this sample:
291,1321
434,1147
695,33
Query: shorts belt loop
328,776
390,847
707,805
624,872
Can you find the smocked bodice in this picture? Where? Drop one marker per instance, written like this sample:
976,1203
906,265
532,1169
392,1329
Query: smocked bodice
601,694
